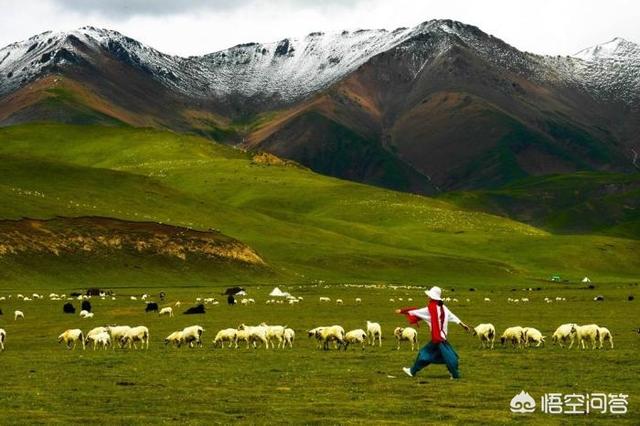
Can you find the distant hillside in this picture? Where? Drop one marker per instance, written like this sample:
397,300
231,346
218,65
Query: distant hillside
304,226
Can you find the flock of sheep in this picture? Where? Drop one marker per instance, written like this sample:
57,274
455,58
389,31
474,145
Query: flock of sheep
527,336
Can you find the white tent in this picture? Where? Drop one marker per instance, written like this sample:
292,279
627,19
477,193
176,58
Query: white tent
586,280
276,292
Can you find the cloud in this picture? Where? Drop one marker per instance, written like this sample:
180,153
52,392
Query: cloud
158,8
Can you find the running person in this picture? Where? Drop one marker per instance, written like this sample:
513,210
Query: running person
438,350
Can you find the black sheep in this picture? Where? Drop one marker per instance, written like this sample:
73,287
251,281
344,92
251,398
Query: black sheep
198,309
151,307
68,308
86,305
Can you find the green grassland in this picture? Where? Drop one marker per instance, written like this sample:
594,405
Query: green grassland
45,383
304,225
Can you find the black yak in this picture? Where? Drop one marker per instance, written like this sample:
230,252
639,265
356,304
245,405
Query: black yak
198,309
86,305
151,307
68,308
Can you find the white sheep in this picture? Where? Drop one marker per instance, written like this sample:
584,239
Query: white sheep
334,333
255,335
136,334
515,335
355,337
289,337
564,333
358,300
605,335
486,299
174,338
18,314
339,302
274,333
315,332
532,335
117,332
486,333
91,335
71,337
103,339
226,335
406,334
166,311
374,331
3,337
192,335
324,299
590,332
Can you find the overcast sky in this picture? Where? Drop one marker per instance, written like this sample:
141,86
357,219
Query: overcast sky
193,27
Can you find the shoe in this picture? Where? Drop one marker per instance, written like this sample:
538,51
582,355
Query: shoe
407,371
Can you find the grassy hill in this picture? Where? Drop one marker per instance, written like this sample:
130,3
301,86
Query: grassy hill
305,226
587,202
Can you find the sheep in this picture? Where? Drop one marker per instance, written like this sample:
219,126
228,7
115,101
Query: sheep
18,314
564,333
289,337
515,335
334,333
315,332
486,333
136,334
166,311
100,338
174,338
274,333
71,337
256,334
325,299
374,331
355,337
226,335
117,332
241,336
486,299
85,314
339,302
605,335
192,335
590,332
3,337
95,331
358,300
533,335
407,333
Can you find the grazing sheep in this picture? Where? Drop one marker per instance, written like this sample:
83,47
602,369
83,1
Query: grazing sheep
93,332
18,314
3,337
274,333
486,299
486,333
355,337
174,338
136,334
226,335
315,332
71,337
101,338
241,336
256,335
374,331
325,299
605,335
334,333
166,311
339,302
117,332
533,335
590,332
85,314
564,333
192,335
289,337
358,300
406,333
515,335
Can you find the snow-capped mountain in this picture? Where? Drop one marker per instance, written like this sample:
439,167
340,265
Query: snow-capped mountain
439,105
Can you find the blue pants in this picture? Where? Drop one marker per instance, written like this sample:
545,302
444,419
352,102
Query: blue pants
437,353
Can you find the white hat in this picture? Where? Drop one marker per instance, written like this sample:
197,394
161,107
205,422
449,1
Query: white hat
434,293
